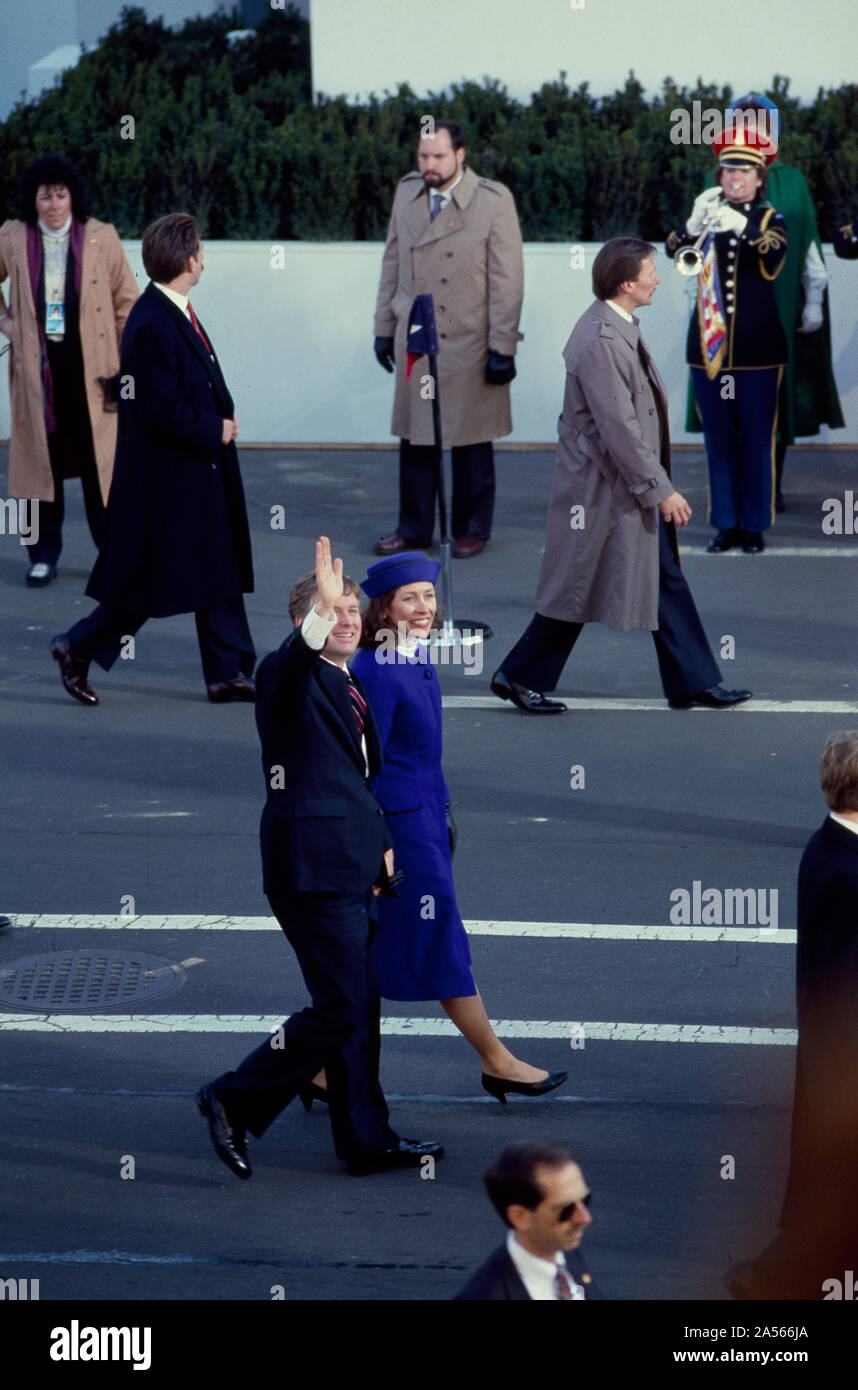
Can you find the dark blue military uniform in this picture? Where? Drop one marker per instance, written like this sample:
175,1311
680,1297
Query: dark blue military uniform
738,404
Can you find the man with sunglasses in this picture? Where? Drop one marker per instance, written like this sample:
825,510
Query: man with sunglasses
539,1192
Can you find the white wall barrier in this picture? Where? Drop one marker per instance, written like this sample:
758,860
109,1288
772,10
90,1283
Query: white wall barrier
292,324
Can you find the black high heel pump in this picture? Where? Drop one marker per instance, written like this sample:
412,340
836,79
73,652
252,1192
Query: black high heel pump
498,1087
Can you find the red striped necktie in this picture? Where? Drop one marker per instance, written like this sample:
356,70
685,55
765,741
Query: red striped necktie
562,1287
196,323
359,705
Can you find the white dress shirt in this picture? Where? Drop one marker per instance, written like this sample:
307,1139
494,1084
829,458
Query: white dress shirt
315,631
623,313
841,820
180,300
538,1275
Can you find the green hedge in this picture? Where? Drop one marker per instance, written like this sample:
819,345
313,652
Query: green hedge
232,134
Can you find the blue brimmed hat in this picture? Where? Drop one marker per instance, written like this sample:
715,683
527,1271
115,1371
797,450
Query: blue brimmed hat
408,567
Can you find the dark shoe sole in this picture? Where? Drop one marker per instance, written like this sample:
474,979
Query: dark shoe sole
697,704
59,656
502,694
206,1112
391,1163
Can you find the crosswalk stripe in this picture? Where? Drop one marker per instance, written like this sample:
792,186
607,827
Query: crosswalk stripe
577,1034
827,707
580,931
788,552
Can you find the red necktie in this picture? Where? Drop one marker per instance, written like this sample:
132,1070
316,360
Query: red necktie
562,1287
196,323
359,706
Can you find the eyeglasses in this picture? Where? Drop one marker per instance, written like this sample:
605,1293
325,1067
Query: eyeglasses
566,1212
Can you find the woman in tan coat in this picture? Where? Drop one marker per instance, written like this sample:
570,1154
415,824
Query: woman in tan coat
70,290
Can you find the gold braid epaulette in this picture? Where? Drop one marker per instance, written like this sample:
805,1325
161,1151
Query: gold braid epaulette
772,239
769,241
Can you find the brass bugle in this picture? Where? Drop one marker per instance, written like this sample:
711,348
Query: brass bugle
689,261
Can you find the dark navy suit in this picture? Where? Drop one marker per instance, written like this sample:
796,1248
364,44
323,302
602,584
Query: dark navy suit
819,1216
499,1279
323,839
824,1154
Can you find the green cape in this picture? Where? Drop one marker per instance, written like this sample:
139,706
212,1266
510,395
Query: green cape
808,395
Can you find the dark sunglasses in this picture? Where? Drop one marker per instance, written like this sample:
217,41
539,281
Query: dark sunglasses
566,1212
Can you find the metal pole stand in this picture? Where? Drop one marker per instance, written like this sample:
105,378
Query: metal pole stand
467,632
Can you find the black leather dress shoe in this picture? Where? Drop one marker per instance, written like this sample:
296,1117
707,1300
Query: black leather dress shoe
406,1153
5,922
753,543
229,1143
391,545
725,540
40,574
238,689
529,701
73,672
716,697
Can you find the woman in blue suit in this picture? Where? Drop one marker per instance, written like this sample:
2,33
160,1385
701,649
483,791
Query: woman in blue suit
423,948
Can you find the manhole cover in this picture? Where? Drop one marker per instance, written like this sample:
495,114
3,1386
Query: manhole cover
84,980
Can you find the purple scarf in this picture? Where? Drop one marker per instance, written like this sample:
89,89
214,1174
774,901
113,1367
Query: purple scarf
34,263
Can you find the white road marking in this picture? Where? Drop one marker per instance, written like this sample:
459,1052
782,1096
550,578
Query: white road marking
789,552
582,931
827,707
573,1032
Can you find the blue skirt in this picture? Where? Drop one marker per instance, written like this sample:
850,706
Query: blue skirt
423,950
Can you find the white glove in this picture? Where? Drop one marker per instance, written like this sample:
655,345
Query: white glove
811,319
702,211
730,219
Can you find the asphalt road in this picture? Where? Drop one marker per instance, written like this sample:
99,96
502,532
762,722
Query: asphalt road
155,796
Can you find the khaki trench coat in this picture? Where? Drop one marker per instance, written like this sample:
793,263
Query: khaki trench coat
107,291
469,259
613,460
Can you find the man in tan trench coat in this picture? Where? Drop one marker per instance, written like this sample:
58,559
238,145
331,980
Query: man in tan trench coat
60,428
611,554
455,236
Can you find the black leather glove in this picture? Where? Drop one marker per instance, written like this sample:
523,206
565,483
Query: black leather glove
499,369
383,349
451,830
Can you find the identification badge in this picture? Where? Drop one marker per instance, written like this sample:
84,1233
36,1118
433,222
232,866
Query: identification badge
55,319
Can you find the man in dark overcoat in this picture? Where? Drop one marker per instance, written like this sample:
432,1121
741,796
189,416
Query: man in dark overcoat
611,554
819,1215
177,534
539,1192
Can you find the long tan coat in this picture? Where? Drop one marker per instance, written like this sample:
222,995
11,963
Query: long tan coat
613,460
107,291
469,259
